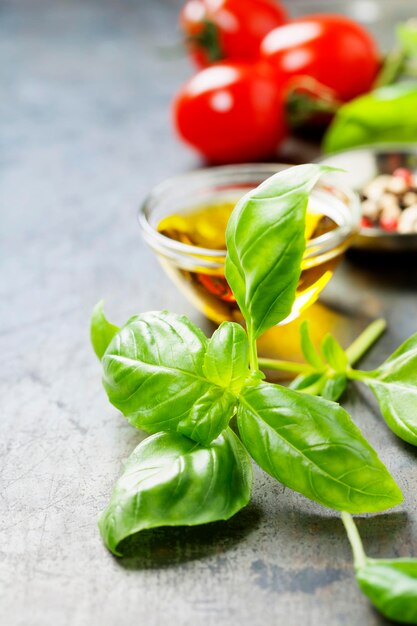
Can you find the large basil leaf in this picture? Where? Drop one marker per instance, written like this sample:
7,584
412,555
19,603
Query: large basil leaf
153,373
101,330
391,585
394,384
312,446
226,362
265,245
383,115
170,480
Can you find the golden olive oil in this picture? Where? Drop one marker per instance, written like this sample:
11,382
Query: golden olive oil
205,227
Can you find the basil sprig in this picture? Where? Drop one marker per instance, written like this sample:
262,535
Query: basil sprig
390,584
168,379
394,383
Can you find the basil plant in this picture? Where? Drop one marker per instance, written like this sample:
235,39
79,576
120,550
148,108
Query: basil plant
170,380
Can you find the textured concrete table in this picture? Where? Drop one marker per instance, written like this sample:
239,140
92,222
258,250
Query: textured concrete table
85,132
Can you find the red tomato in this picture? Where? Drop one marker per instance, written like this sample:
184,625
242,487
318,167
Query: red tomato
228,29
231,112
332,49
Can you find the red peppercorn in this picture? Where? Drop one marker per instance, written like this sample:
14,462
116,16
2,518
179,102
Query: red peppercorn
388,223
366,222
404,173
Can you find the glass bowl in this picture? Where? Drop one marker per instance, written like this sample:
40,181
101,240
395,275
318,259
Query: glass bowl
199,271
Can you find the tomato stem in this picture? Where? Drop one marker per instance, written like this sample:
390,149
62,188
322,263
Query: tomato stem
208,40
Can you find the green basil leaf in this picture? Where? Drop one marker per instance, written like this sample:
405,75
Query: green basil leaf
406,33
170,480
334,354
312,446
304,381
265,245
383,115
334,387
209,415
394,384
391,585
319,384
101,331
311,355
226,362
153,373
402,363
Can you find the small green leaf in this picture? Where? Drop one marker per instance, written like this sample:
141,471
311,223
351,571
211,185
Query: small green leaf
305,381
226,362
101,331
153,373
170,480
402,363
394,384
265,245
321,384
334,354
391,585
334,387
311,355
312,446
209,415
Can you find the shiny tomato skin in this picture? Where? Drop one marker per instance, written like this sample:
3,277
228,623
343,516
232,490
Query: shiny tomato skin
333,49
231,112
238,26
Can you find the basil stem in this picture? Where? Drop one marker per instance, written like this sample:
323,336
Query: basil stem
253,353
359,555
354,353
390,584
366,339
285,366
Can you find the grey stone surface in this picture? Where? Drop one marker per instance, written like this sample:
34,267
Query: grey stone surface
85,135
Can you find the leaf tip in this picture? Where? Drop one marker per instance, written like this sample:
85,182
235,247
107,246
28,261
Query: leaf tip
101,330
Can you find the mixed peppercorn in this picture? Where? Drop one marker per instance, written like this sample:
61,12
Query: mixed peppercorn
389,202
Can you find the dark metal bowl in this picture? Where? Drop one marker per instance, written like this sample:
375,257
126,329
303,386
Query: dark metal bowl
362,165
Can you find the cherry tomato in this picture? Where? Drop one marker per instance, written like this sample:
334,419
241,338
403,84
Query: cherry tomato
228,29
332,49
231,112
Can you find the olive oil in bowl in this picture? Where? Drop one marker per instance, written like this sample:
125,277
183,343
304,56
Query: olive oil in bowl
204,227
184,221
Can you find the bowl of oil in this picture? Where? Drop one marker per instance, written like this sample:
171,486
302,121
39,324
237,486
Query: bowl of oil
184,221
